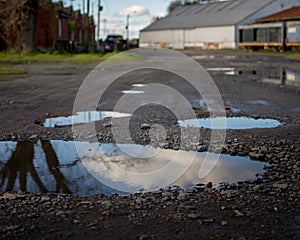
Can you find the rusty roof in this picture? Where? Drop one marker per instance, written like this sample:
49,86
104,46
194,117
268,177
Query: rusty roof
289,14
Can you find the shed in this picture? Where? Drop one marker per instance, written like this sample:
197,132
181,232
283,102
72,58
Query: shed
208,24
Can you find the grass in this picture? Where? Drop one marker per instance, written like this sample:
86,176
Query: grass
8,61
83,58
10,72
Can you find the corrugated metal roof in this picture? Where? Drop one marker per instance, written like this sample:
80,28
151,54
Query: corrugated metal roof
209,14
289,14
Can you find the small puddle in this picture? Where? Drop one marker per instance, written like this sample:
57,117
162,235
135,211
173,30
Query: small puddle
55,166
203,57
220,69
83,117
132,92
138,85
230,122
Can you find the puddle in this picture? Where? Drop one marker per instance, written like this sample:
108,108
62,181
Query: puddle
132,92
258,102
284,77
220,69
281,75
204,57
54,166
231,123
83,117
138,85
212,57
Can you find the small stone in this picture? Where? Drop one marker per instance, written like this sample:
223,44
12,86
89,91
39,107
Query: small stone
145,126
224,223
193,216
238,213
280,186
12,196
33,137
77,221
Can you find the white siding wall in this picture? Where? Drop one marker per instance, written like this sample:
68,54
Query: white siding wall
157,39
208,37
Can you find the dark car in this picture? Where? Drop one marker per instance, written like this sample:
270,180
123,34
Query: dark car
114,43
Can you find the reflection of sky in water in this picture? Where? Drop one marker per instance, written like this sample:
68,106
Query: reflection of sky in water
83,117
106,158
230,123
133,92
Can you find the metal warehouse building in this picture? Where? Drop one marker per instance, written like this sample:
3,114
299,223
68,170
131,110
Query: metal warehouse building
208,25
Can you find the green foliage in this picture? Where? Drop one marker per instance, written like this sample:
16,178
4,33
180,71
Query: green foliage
173,5
54,57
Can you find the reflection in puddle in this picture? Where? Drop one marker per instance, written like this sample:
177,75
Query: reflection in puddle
83,117
132,92
231,123
54,166
281,75
258,102
213,57
203,57
220,69
138,85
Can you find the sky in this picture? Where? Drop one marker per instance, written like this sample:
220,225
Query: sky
114,14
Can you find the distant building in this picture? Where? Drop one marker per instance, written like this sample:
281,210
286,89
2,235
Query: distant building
213,24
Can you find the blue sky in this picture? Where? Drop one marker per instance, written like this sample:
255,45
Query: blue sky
113,16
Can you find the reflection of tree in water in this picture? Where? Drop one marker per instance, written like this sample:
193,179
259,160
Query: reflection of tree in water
21,162
53,165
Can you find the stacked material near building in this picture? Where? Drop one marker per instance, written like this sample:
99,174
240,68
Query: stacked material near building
209,25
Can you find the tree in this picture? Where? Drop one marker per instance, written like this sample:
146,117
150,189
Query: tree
18,24
173,5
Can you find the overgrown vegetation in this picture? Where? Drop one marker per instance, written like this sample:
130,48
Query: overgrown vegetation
55,57
9,61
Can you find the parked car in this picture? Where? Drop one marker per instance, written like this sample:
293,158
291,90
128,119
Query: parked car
114,43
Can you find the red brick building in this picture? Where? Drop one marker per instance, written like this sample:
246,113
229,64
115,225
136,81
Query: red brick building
58,28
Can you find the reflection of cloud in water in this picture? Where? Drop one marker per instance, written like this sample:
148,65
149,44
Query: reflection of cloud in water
83,117
106,160
227,169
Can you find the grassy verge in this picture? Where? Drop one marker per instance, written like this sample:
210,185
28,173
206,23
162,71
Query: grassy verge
83,58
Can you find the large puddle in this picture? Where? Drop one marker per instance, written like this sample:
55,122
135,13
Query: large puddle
57,166
83,117
230,123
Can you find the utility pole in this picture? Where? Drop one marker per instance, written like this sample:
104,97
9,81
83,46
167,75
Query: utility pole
100,8
104,27
87,24
98,20
127,30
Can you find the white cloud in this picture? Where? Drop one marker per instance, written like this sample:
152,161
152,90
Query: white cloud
133,11
141,21
113,20
160,14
